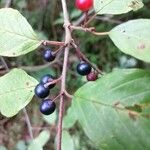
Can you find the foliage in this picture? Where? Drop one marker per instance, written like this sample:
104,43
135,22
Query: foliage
19,35
109,109
17,90
114,110
39,141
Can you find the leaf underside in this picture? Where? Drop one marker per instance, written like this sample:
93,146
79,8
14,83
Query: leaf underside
16,91
16,35
133,38
116,6
114,111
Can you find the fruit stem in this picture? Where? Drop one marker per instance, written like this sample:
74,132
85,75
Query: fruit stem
52,82
57,97
86,17
68,95
83,57
90,30
58,50
55,43
93,17
28,123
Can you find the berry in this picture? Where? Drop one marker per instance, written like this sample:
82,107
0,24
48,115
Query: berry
48,78
92,76
48,55
84,5
83,68
47,107
41,91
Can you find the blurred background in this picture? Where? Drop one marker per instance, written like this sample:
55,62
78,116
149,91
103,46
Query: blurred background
46,18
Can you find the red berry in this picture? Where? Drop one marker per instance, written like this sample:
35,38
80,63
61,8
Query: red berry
84,5
92,76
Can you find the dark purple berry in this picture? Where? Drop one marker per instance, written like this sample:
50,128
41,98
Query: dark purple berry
48,78
48,55
47,107
92,76
83,68
41,91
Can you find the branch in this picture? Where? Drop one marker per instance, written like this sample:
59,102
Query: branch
8,3
83,57
55,43
90,30
28,123
82,18
68,40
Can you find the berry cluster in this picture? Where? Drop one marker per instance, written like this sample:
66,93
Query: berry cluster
47,82
42,90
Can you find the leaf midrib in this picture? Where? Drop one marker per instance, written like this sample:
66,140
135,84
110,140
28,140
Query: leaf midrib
4,30
108,105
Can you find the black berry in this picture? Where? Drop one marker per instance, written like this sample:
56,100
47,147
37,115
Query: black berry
48,55
41,91
83,68
92,76
47,107
48,78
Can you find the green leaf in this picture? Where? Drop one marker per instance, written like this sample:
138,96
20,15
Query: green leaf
114,111
116,6
16,91
16,35
67,141
70,118
40,141
133,38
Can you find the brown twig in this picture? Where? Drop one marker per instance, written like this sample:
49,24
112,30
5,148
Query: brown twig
61,107
68,40
82,18
8,3
49,43
90,30
28,123
57,97
53,82
83,57
97,13
86,17
58,50
68,95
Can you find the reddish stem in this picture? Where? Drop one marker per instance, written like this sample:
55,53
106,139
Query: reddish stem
55,43
83,57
